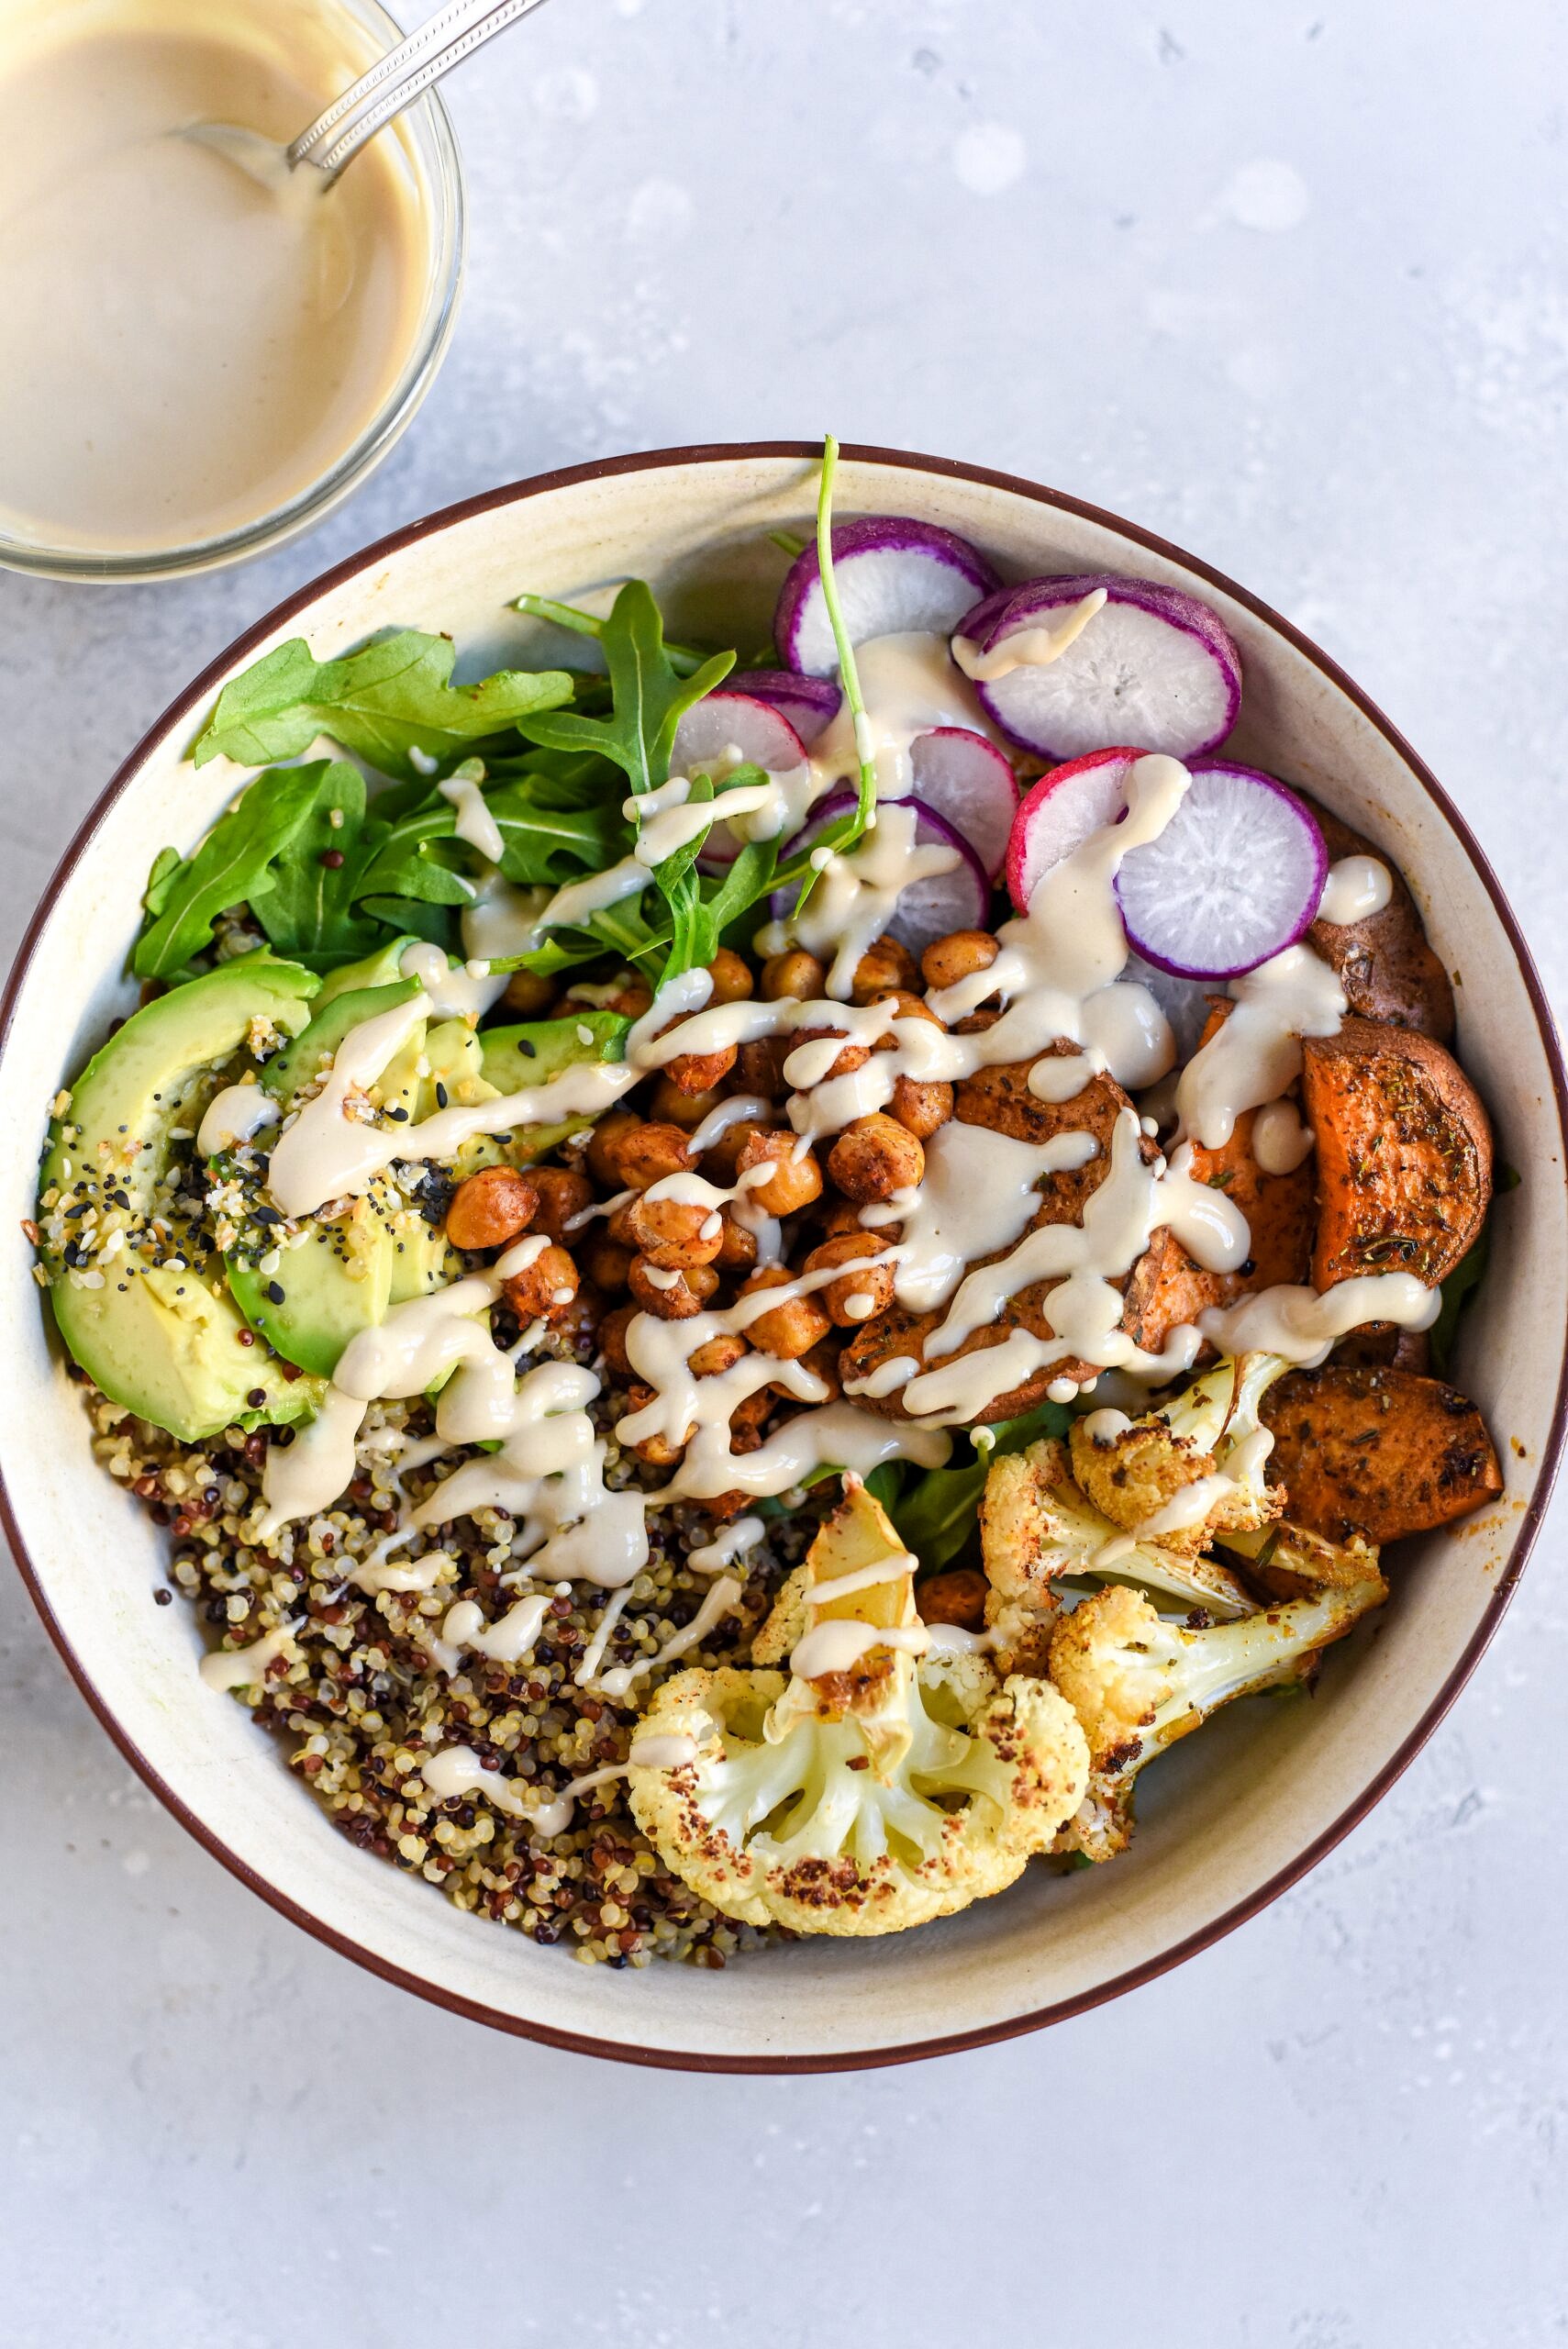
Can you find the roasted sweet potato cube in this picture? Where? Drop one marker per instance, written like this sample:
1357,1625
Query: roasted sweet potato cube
1404,1153
1384,965
1378,1452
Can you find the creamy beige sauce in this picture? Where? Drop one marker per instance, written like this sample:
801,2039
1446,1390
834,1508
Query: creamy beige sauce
1028,648
187,349
1357,888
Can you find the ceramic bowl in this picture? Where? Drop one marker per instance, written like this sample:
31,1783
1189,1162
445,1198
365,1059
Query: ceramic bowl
1230,1819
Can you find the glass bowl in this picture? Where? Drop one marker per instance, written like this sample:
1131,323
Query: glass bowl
368,30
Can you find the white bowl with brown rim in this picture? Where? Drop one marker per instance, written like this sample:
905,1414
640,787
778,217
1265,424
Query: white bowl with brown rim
1230,1819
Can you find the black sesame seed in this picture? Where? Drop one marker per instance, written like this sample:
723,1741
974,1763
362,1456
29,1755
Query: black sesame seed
526,1050
276,1292
441,1096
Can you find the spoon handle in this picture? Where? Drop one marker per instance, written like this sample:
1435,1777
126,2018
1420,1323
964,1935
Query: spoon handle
451,34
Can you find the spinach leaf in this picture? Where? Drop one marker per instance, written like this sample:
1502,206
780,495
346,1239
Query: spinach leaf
383,703
234,862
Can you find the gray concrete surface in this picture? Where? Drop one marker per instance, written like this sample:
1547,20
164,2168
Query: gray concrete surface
1285,282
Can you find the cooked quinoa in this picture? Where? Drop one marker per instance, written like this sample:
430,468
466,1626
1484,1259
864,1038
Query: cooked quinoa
356,1700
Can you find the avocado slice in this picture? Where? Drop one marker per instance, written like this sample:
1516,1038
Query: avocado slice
516,1058
382,969
303,1059
162,1338
324,1292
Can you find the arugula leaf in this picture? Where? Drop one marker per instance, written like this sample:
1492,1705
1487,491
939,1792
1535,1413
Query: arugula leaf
683,660
383,703
436,923
308,909
554,845
649,697
234,862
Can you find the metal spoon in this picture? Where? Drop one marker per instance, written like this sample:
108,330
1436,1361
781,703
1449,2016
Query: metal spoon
334,137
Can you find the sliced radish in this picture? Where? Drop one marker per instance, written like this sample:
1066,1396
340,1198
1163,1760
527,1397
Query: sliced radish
1234,878
929,908
1059,813
894,574
966,779
810,704
1151,661
725,721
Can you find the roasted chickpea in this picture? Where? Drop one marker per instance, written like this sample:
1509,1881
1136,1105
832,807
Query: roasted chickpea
737,1247
873,1158
793,973
671,1296
859,1294
612,1340
730,975
793,1327
957,956
527,994
955,1595
721,1160
852,1057
746,1419
793,1183
580,1320
627,993
839,1215
823,1361
694,1072
671,1107
883,964
601,1141
655,1450
672,1235
606,1262
644,1154
903,1003
542,1290
921,1109
758,1066
563,1194
715,1355
491,1208
619,1228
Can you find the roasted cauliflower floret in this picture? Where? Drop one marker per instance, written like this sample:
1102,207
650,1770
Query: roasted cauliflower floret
1191,1471
870,1788
1138,1681
1038,1530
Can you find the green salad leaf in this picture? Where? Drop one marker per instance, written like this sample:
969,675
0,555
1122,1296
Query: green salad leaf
233,864
383,703
683,660
650,696
936,1517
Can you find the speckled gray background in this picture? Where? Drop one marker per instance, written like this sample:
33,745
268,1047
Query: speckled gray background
1287,282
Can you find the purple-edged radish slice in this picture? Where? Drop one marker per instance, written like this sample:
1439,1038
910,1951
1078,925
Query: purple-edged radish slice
894,575
1234,878
724,723
1149,660
709,737
966,780
810,704
1058,814
928,907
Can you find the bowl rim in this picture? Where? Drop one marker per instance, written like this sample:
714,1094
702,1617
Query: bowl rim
177,714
